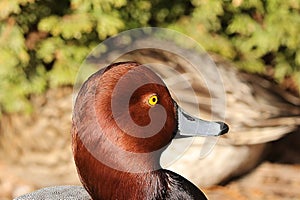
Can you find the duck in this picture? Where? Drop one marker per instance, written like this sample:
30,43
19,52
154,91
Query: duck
124,117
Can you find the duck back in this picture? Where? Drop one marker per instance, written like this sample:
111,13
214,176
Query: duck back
180,188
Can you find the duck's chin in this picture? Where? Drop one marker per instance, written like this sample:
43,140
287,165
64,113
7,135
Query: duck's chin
141,162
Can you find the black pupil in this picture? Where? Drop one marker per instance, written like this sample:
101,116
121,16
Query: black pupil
153,99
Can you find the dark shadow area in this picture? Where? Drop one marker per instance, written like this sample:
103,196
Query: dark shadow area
286,150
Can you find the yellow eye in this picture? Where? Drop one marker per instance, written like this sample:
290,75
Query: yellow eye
153,100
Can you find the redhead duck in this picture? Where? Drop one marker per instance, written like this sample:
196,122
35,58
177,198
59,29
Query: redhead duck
124,118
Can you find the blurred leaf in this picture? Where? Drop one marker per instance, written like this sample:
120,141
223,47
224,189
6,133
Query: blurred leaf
297,58
252,65
242,24
109,25
8,7
69,26
207,13
281,70
48,48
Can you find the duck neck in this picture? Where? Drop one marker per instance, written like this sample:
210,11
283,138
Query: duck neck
106,182
124,185
138,163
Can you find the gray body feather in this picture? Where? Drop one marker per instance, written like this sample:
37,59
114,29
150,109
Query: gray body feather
68,192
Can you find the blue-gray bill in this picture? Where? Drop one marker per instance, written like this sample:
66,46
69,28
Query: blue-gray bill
189,126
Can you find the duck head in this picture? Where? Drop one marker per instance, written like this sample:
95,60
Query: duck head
123,118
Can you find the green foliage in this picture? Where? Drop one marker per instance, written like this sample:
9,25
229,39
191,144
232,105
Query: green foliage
253,33
43,42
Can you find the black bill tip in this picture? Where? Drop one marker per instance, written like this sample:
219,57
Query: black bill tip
224,128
